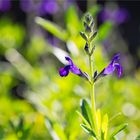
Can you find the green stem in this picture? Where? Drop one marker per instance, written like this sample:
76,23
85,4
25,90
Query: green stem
92,94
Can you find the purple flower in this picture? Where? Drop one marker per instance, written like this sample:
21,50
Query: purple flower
114,65
71,68
41,7
26,5
5,5
48,6
118,16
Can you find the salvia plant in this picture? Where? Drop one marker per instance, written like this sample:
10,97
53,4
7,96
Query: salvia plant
93,121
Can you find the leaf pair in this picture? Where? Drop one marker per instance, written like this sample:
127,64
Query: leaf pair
87,118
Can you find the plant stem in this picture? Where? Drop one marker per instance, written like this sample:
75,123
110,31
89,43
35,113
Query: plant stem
92,94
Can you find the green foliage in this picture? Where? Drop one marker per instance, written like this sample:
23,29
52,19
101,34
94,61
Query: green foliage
55,130
104,30
88,130
52,28
31,90
118,129
138,137
86,112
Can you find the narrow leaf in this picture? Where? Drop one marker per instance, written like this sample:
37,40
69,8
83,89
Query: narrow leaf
104,30
118,129
105,126
83,119
86,112
72,20
83,35
99,120
52,28
115,116
93,35
88,130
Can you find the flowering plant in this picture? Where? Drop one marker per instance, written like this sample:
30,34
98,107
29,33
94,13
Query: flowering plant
94,123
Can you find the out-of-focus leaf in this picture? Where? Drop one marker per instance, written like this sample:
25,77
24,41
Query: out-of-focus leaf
86,112
104,30
60,54
118,129
88,130
98,113
55,130
20,125
72,21
20,63
58,129
104,126
115,116
138,137
94,9
72,48
11,34
52,28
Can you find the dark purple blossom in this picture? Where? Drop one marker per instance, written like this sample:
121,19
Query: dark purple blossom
5,5
48,6
114,65
41,7
26,5
71,68
117,16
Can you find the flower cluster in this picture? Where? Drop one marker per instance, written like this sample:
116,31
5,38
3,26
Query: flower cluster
88,35
115,15
113,65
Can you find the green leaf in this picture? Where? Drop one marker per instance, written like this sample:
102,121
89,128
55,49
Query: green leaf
55,130
93,35
138,137
98,113
83,119
115,116
84,36
52,28
86,112
105,126
72,21
118,129
94,10
104,30
88,130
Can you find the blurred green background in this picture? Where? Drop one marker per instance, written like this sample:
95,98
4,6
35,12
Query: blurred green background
35,36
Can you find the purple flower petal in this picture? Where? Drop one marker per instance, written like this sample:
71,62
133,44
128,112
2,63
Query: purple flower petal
69,60
48,6
114,65
119,70
71,67
75,70
5,5
108,70
118,16
64,71
26,5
